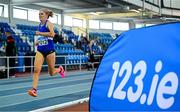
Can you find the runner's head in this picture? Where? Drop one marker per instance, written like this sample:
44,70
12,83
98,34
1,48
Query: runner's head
44,14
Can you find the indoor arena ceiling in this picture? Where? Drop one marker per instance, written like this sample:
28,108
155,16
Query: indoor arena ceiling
99,8
80,6
93,8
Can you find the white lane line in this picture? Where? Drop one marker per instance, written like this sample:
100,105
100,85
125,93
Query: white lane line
42,82
17,79
54,107
16,99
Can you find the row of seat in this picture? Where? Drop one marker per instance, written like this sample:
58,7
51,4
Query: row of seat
70,35
96,49
63,47
7,29
26,27
105,41
100,35
70,60
28,32
76,59
23,47
70,52
31,29
4,26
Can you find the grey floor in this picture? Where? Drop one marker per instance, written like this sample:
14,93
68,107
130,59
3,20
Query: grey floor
51,91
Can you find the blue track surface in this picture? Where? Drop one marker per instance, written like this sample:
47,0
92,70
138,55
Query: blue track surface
51,91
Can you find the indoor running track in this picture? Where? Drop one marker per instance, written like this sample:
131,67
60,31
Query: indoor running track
51,91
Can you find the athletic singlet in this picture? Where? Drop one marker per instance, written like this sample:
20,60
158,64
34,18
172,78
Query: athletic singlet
45,44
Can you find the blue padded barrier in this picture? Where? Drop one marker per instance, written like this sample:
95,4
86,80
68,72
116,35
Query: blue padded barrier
140,72
20,63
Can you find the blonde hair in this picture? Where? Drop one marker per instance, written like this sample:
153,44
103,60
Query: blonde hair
47,11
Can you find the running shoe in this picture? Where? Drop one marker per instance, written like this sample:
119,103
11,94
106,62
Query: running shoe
61,72
32,92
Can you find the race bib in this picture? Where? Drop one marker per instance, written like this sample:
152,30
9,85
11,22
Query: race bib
42,41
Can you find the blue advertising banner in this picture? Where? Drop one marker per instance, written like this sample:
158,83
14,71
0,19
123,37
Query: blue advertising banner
140,71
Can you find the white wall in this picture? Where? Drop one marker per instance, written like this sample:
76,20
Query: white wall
22,21
105,31
2,19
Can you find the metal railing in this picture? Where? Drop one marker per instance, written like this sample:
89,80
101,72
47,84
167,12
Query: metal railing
5,66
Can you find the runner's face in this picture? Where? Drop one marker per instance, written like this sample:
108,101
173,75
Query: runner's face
42,16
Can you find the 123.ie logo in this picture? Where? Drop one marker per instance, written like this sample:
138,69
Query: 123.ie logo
158,87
